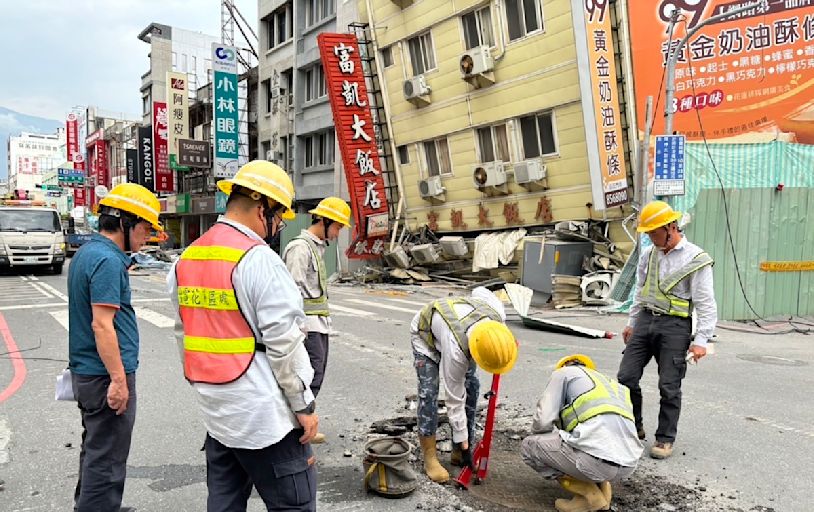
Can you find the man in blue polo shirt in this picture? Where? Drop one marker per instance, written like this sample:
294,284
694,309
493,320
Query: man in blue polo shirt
103,344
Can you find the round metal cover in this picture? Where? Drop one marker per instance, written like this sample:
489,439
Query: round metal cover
772,360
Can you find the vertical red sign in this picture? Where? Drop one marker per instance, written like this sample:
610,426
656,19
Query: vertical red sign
163,174
357,142
79,196
102,174
71,136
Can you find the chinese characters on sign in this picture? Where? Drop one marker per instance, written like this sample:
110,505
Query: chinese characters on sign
600,103
225,104
164,181
746,75
669,166
72,135
357,142
177,115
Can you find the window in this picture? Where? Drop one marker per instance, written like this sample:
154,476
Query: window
436,155
284,150
538,135
287,83
265,149
269,98
404,155
478,28
315,83
174,60
523,16
183,62
319,149
387,56
493,143
421,54
280,25
318,10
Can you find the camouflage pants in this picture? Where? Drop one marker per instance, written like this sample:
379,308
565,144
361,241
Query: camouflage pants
428,384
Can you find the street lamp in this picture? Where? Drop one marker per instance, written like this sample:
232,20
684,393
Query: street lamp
763,5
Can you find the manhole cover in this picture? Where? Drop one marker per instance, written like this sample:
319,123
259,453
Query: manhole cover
512,484
773,360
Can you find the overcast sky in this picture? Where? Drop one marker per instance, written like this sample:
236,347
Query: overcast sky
61,53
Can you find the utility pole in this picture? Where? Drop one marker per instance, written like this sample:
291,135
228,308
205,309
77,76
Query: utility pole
763,5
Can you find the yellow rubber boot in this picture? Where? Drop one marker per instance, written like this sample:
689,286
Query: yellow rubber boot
432,466
605,487
588,496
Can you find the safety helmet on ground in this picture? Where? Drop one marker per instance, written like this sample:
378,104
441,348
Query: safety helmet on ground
266,179
493,347
656,214
580,359
136,200
333,208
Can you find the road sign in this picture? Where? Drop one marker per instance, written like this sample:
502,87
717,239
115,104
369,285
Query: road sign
669,165
70,175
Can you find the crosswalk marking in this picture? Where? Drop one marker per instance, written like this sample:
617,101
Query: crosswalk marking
157,319
350,311
379,305
412,302
53,291
61,316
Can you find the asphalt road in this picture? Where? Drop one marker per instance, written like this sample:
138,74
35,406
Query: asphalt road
745,437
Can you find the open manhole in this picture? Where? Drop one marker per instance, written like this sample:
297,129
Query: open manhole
772,360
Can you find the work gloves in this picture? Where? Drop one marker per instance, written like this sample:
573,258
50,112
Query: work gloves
466,457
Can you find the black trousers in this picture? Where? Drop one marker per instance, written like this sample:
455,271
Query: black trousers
316,343
283,474
666,339
105,444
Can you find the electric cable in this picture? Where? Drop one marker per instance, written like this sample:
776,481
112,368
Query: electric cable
726,202
11,354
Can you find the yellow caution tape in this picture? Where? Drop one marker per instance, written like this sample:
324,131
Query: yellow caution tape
787,266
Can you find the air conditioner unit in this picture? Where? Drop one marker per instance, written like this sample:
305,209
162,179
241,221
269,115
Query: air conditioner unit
425,253
477,61
416,90
431,187
529,171
269,155
490,174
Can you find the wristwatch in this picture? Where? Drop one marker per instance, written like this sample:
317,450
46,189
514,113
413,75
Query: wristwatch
310,409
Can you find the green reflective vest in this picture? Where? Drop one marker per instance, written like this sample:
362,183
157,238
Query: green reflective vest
655,294
606,397
458,325
317,306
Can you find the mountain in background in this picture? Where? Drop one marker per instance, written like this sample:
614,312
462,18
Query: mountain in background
12,123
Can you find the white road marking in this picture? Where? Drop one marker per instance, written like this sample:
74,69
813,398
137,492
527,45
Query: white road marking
61,316
42,290
157,319
161,299
412,302
5,437
350,311
378,305
24,278
32,306
53,291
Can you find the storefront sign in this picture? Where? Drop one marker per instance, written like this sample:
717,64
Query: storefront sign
100,164
194,153
182,203
225,105
203,204
164,181
749,76
357,142
220,201
79,196
146,172
72,136
131,163
177,114
172,204
596,61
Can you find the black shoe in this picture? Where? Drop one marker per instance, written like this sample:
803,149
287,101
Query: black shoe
640,432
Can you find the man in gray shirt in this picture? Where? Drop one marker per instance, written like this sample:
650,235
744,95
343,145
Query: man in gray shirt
584,434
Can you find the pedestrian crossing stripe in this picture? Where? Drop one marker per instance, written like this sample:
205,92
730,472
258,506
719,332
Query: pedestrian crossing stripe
380,305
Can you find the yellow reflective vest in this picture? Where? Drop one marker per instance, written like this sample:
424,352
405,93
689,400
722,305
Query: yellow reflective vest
606,397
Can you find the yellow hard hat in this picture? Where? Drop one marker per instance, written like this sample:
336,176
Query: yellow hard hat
135,199
267,179
582,359
493,346
333,208
656,214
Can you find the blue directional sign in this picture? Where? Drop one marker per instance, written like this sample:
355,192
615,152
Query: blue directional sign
669,165
70,175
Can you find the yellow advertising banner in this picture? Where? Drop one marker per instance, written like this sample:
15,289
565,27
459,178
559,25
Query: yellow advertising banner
177,112
750,77
787,266
596,60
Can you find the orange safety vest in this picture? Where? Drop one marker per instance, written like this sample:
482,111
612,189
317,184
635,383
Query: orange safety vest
219,344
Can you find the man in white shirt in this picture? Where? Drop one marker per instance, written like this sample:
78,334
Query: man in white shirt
674,278
243,349
446,344
583,434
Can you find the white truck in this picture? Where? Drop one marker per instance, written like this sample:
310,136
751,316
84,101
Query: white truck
31,236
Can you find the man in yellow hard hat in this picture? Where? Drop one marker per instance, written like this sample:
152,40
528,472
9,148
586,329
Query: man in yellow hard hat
243,349
583,434
304,257
674,278
450,336
103,343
